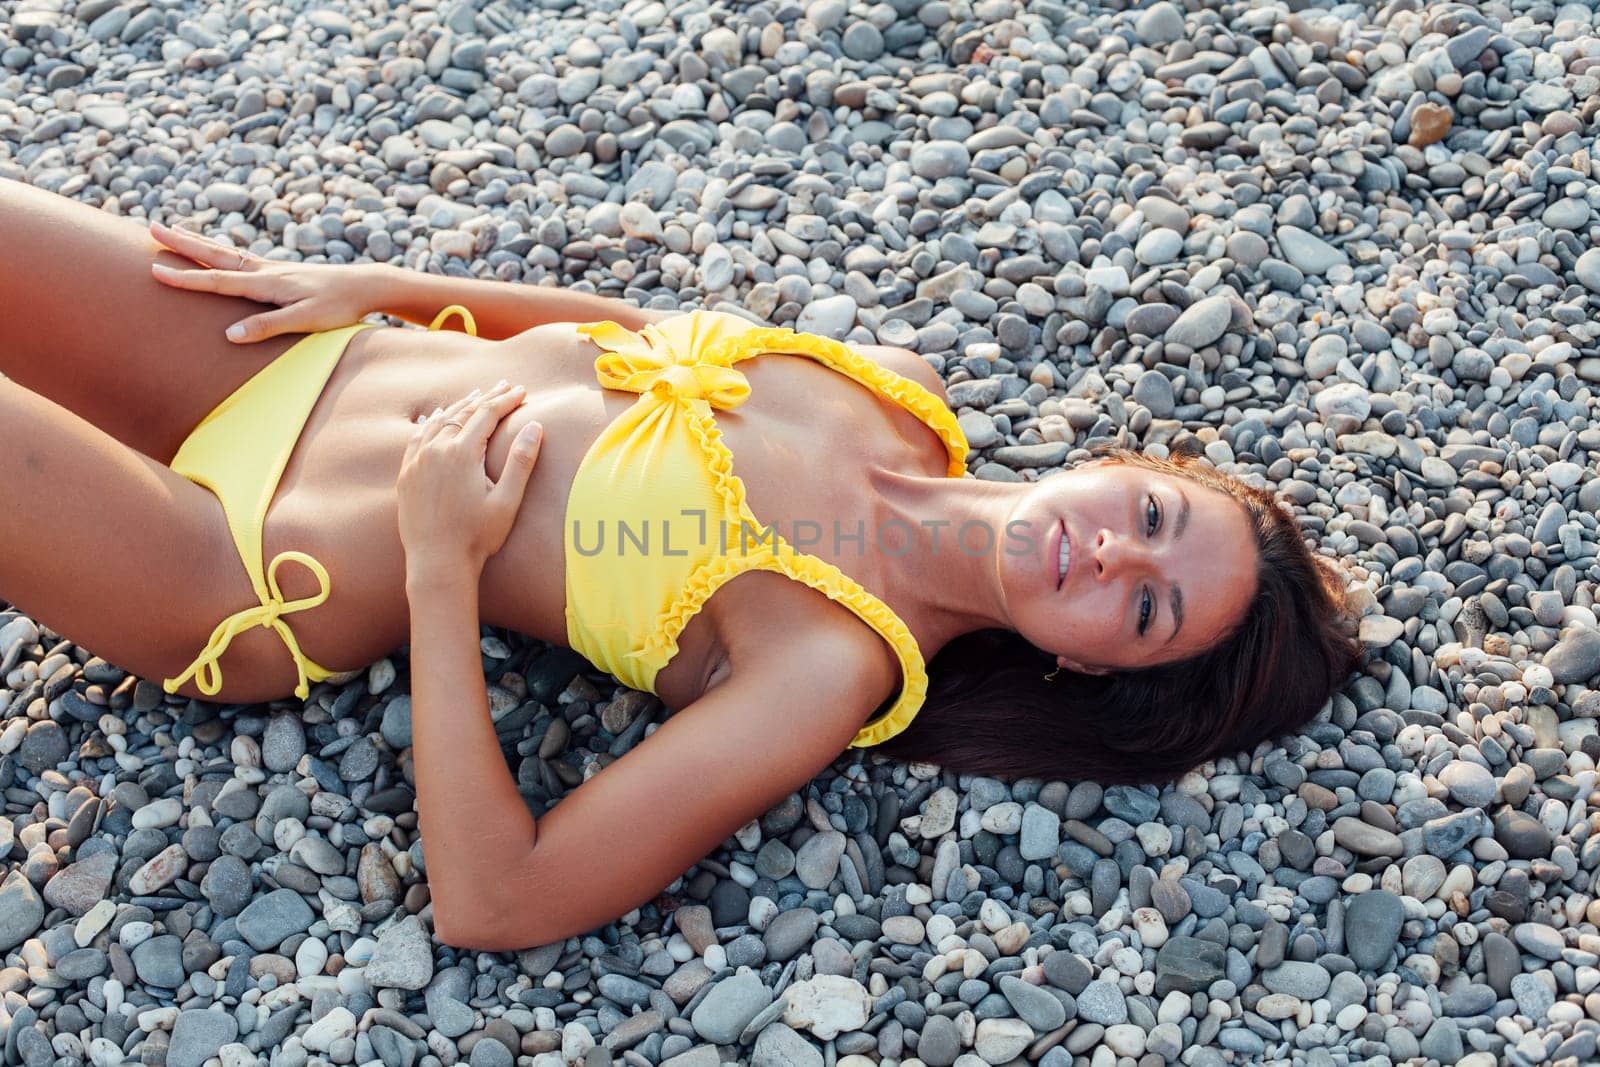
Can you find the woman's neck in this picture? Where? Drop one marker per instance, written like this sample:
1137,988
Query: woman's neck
955,528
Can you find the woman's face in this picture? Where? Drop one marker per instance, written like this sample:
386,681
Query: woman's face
1157,568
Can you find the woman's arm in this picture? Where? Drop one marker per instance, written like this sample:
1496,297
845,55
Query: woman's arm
452,519
501,309
620,838
471,813
324,296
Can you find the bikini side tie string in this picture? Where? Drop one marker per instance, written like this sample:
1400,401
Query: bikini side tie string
206,670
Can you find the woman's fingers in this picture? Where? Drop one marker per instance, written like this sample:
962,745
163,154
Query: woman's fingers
266,325
466,418
434,424
226,282
489,411
508,491
201,249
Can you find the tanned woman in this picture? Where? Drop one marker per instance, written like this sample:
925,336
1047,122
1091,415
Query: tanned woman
773,531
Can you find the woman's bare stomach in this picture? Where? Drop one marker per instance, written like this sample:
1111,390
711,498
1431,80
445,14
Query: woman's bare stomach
337,502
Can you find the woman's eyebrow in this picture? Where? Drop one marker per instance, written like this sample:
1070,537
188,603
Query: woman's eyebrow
1173,591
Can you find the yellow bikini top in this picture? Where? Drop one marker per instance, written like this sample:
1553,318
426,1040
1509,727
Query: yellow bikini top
657,521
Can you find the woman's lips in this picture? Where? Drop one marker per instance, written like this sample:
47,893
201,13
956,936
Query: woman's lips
1066,541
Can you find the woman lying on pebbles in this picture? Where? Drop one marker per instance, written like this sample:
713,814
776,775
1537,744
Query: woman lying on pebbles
331,490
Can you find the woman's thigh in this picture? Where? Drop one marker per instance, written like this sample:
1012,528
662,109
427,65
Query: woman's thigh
83,323
114,551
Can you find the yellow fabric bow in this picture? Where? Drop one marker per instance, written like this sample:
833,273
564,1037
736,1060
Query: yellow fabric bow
630,362
205,669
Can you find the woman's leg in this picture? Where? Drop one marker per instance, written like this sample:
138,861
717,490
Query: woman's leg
115,552
83,323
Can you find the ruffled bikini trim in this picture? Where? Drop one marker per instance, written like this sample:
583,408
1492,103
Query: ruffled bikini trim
835,354
705,579
827,579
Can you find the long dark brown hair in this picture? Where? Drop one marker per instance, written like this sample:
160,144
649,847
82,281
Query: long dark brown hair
991,710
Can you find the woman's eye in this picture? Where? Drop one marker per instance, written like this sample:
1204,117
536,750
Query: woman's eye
1153,513
1145,607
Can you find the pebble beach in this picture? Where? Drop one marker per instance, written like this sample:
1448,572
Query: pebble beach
1347,251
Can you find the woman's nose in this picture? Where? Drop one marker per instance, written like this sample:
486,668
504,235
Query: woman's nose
1113,554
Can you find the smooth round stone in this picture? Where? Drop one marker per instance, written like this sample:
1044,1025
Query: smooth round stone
817,862
1569,214
1158,247
780,1044
1372,927
1163,212
1124,1039
199,1035
81,964
1380,631
831,316
1151,320
729,1007
1002,1040
283,743
1066,970
158,814
1131,805
159,961
1278,1006
789,932
228,196
451,1017
1247,249
1308,252
940,1042
1344,398
1160,24
1102,1002
1469,784
1540,940
43,747
1154,391
1040,834
1038,1008
1534,998
904,929
565,140
1421,876
862,41
1150,926
1201,322
939,159
1576,657
1306,981
396,725
1587,270
1324,354
1365,839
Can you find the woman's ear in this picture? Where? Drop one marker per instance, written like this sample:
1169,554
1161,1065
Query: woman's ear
1080,668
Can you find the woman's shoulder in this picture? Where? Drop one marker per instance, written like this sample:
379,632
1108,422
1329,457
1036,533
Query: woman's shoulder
780,629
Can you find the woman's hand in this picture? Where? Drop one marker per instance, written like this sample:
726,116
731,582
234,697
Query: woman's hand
311,296
451,514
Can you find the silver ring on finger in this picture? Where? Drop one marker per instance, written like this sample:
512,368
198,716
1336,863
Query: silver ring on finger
457,425
241,259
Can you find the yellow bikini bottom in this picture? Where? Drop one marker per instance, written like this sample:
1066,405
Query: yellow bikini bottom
238,451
